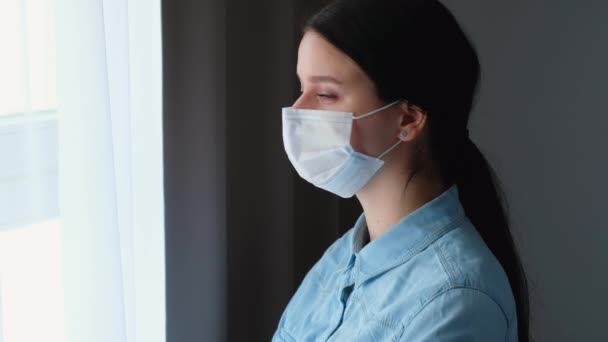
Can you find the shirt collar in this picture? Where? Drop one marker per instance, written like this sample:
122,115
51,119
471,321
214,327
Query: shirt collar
407,237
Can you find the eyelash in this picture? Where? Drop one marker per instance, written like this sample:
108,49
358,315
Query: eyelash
327,96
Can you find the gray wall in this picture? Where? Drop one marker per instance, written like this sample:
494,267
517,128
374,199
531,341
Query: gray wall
194,168
277,224
542,119
242,228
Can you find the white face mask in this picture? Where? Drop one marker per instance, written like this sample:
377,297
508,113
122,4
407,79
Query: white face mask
317,143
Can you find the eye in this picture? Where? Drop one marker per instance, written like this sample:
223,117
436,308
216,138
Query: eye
329,96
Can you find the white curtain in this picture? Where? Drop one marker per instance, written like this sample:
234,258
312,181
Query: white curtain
93,168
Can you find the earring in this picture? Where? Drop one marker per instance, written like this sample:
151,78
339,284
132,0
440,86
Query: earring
403,135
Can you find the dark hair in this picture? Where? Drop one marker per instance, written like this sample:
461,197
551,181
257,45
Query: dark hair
416,50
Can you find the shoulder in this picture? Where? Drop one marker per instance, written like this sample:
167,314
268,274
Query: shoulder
468,263
466,284
458,314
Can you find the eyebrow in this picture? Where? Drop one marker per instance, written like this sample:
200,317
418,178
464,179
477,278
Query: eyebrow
323,78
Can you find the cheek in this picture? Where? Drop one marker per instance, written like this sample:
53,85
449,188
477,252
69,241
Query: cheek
373,135
367,135
364,131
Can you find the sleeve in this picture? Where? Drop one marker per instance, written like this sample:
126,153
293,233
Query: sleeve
458,315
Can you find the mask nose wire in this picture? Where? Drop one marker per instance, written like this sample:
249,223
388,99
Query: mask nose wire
374,111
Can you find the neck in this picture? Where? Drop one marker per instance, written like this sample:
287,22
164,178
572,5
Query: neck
394,192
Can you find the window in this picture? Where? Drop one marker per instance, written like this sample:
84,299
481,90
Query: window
81,179
31,297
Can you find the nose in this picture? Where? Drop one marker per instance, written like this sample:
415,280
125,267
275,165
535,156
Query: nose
302,102
298,103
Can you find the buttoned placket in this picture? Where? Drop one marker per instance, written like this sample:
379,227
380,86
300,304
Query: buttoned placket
346,291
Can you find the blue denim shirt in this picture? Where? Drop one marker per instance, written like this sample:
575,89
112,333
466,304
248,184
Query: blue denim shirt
430,277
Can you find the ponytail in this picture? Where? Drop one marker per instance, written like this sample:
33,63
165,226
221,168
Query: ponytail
484,203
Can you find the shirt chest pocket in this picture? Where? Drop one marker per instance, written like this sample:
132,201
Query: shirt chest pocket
379,331
376,329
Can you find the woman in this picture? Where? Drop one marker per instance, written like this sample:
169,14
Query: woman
387,89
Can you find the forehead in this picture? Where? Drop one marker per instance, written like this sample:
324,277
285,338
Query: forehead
317,56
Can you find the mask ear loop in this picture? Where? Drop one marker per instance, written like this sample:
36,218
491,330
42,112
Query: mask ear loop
402,134
374,111
389,149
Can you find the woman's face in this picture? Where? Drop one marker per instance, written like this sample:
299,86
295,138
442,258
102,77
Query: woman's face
330,80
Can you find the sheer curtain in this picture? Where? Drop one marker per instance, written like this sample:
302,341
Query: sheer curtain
81,181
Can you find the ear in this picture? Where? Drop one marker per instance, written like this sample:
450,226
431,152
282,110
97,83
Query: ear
413,121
